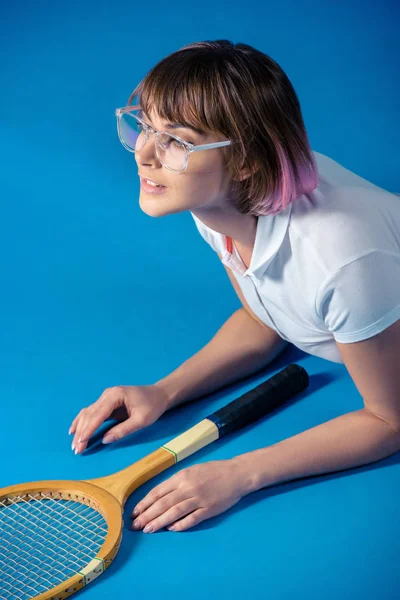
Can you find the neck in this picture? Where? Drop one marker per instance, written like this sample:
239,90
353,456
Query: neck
241,228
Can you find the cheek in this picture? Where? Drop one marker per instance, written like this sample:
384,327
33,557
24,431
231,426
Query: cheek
207,183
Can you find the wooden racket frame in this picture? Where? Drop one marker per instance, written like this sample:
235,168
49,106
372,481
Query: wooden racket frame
107,495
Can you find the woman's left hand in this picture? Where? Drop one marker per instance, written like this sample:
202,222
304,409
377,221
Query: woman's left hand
191,496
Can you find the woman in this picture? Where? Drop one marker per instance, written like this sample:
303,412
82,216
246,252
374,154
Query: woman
312,250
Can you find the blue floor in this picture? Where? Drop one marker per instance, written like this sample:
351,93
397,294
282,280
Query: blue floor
95,293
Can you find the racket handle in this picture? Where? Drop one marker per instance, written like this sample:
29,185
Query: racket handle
243,411
239,413
261,400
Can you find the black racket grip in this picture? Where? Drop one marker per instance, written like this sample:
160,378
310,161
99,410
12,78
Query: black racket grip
260,400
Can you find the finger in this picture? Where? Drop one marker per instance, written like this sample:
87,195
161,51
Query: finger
162,506
79,436
172,514
196,517
154,495
90,421
77,423
123,429
73,425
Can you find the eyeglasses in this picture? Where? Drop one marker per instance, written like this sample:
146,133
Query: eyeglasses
171,150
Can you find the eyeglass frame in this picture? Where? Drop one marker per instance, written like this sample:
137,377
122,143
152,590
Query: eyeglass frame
189,147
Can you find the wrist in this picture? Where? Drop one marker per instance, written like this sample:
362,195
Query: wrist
248,473
169,391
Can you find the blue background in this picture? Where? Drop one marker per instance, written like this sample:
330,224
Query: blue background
95,293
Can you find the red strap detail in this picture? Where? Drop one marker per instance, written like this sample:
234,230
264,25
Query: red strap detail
229,244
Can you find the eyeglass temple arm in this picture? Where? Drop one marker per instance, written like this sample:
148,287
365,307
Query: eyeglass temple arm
210,146
128,108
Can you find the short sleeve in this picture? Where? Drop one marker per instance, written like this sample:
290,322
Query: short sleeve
362,298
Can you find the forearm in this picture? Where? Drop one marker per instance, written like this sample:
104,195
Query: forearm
241,347
351,440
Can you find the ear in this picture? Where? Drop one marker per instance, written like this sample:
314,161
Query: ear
245,173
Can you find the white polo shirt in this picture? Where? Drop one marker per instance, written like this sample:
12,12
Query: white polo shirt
328,267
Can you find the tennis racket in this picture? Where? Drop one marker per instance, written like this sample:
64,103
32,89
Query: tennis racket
58,536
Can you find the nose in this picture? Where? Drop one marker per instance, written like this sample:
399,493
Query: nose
147,155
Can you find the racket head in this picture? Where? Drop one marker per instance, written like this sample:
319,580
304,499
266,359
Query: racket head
52,529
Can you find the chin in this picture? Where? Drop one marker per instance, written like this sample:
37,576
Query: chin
154,207
157,206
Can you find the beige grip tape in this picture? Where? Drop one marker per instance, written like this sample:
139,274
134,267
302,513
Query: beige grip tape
193,439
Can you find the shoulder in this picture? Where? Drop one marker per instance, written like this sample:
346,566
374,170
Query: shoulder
337,224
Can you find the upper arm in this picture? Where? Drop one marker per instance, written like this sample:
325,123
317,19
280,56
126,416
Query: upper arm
373,365
246,306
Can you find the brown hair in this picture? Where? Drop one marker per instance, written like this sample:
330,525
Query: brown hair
244,95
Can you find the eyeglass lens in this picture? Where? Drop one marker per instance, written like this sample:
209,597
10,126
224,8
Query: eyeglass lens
169,150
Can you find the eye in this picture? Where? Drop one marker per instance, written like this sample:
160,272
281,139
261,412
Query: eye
187,140
168,142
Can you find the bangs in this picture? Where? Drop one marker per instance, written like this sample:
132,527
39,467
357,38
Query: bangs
182,95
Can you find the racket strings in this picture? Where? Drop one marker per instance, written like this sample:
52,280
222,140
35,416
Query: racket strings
44,541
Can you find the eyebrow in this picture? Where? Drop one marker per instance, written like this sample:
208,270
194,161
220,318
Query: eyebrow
180,126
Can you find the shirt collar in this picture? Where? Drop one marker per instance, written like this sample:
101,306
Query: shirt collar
270,233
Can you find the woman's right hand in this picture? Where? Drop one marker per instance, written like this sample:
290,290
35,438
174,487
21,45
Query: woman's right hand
136,406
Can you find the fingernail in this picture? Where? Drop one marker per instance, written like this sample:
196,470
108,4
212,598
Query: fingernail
136,524
171,528
108,439
73,446
69,431
135,513
148,529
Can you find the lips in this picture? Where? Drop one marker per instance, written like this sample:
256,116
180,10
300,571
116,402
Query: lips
151,189
147,179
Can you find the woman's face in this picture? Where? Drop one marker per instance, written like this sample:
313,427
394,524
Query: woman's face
203,186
